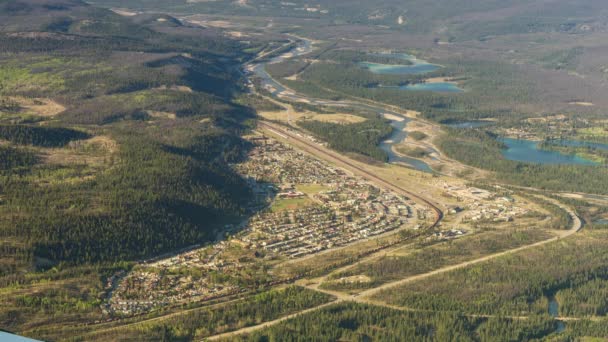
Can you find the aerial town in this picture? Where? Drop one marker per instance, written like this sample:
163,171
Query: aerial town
310,207
304,206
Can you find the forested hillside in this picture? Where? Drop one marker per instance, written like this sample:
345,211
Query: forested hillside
115,137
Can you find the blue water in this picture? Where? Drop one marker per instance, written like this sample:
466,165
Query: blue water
7,337
417,67
601,221
394,69
469,124
553,310
575,143
440,87
528,151
397,137
303,47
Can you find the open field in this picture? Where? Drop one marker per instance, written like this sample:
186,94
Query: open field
336,118
291,204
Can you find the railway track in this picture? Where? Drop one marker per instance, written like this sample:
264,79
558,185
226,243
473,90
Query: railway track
361,171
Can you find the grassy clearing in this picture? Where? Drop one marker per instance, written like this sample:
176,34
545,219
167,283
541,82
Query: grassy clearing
15,79
417,135
338,118
312,189
45,108
290,204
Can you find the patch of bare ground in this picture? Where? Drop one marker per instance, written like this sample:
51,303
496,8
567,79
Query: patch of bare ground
440,80
181,88
39,106
293,116
161,115
123,12
236,34
338,118
89,157
360,278
581,103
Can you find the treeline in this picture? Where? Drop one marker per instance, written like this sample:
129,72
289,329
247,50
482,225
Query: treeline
360,138
156,179
584,330
40,135
360,322
14,158
584,298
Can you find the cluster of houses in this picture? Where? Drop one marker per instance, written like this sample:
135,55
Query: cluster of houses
449,234
343,209
185,276
549,126
276,163
503,210
483,205
349,210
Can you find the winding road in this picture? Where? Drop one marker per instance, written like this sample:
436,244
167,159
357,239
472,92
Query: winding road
297,140
365,297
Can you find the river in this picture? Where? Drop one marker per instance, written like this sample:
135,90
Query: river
398,136
304,47
553,310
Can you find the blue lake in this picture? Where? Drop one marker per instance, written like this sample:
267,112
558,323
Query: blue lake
528,151
396,69
417,67
575,143
438,87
